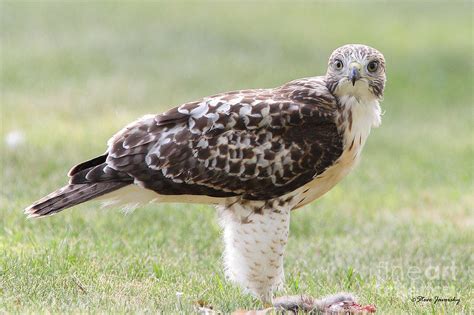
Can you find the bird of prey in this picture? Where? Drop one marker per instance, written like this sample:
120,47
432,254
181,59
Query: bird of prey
256,154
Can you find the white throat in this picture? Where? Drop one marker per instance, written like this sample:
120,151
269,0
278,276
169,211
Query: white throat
360,116
368,111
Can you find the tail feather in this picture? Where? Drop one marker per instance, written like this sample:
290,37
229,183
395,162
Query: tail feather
70,195
87,164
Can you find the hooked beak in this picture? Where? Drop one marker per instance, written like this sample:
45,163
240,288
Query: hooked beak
354,72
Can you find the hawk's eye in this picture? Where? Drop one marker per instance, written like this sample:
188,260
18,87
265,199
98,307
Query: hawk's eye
373,66
338,65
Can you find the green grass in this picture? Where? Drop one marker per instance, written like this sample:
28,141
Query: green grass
73,74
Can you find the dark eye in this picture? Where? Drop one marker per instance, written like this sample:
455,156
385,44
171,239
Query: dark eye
373,66
338,65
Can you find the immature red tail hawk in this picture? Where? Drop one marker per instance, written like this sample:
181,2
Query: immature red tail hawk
255,154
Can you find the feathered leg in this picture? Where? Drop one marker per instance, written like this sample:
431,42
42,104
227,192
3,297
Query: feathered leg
255,236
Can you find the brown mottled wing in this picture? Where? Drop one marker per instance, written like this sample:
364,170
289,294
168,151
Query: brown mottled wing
258,144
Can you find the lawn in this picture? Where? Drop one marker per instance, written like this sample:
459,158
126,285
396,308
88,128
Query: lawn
400,226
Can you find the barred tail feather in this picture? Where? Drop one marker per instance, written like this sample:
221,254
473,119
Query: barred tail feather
70,195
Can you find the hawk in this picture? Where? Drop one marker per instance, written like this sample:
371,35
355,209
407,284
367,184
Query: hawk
255,154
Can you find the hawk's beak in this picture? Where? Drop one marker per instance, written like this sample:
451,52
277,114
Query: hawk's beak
354,72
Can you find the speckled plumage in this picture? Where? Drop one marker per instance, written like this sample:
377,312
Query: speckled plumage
257,144
257,154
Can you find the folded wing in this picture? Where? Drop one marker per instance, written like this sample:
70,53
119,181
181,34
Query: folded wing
257,144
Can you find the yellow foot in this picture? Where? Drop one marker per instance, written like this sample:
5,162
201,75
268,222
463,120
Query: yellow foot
267,304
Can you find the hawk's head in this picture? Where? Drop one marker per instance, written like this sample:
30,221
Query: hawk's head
356,70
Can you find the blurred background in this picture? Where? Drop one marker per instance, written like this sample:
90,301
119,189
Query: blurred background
73,73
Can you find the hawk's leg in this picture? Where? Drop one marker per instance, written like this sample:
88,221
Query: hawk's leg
255,236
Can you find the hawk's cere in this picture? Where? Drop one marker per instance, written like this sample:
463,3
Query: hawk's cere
255,154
